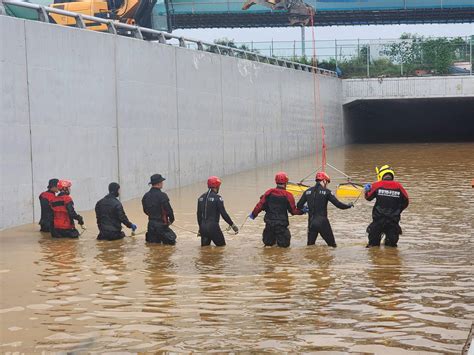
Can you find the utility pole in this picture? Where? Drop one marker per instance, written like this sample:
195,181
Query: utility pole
470,53
368,59
303,49
335,50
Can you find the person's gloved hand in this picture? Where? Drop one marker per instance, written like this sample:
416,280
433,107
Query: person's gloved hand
351,204
134,227
367,187
251,216
235,228
305,209
80,221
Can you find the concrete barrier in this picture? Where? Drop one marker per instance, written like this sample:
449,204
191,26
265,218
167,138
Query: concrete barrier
408,88
94,108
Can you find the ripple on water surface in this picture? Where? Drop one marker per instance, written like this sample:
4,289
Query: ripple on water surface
98,296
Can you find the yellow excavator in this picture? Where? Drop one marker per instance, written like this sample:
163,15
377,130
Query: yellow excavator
133,12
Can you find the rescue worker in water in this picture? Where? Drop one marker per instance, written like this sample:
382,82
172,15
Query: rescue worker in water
64,213
277,203
391,200
316,199
110,215
156,206
209,210
45,198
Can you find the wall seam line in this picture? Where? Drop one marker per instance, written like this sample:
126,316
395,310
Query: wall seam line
177,116
117,131
29,125
222,118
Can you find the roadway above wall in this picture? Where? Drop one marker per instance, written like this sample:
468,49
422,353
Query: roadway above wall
323,18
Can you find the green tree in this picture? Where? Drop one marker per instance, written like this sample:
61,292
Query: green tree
224,41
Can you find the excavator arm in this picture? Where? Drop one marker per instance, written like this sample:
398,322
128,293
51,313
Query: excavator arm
299,13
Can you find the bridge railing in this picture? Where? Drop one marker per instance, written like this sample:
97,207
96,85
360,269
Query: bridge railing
143,33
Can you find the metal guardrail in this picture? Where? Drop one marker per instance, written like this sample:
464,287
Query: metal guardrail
119,28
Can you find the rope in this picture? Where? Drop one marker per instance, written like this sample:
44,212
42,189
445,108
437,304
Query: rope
84,229
317,101
184,229
245,221
307,176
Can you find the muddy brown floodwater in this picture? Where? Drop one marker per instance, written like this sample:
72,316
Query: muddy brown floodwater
65,295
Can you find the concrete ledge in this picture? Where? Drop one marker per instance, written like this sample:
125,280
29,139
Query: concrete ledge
405,88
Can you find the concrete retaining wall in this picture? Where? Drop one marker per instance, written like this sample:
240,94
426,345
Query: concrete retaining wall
415,87
95,108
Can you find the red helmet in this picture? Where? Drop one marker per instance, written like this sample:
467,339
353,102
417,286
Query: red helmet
322,176
62,184
281,178
213,182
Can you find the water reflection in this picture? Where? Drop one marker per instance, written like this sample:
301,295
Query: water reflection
60,263
386,274
128,296
321,275
112,266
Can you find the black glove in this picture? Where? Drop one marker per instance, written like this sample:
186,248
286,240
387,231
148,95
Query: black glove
80,220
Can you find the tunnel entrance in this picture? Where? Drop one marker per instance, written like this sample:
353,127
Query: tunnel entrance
409,120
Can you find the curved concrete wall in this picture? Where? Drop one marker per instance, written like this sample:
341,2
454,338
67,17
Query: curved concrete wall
94,108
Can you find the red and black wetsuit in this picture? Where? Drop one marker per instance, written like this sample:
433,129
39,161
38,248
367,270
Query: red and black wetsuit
64,216
276,203
209,210
317,198
391,200
46,221
156,206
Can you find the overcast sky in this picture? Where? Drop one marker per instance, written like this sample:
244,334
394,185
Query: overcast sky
335,32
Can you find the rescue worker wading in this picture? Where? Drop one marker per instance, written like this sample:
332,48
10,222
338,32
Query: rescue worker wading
46,221
391,200
316,198
110,215
64,213
156,206
209,210
276,203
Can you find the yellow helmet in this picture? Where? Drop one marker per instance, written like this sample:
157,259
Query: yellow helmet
386,169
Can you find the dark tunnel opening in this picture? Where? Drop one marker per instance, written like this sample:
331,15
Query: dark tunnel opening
409,120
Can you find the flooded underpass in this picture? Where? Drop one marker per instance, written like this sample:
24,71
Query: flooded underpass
65,295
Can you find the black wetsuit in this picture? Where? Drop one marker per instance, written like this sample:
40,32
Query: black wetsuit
47,215
110,216
276,203
209,210
317,198
391,200
156,206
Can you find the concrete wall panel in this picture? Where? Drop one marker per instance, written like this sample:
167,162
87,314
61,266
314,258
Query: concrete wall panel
72,109
415,87
15,153
135,108
199,97
147,114
239,119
